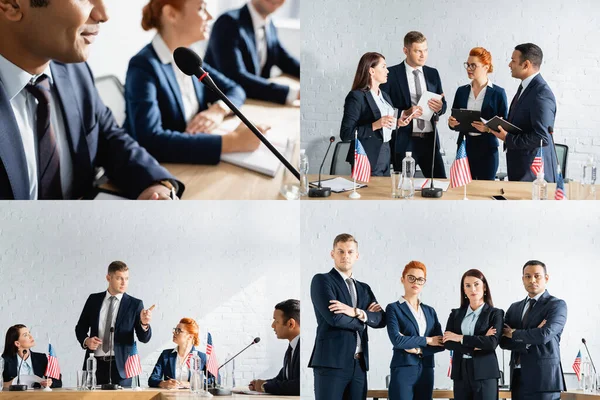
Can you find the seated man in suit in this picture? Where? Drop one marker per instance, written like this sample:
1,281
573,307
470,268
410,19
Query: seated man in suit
54,129
532,330
533,109
344,308
286,324
116,309
244,46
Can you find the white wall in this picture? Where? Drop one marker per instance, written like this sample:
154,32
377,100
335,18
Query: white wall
337,33
451,238
226,264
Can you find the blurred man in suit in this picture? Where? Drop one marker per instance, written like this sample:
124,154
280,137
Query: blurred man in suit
286,324
244,46
532,329
54,128
116,309
533,110
406,84
344,307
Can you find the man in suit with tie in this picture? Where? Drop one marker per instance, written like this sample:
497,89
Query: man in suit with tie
532,330
533,110
286,324
344,307
244,46
110,309
54,129
406,84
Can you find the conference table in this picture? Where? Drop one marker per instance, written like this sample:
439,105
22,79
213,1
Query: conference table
380,188
503,394
125,394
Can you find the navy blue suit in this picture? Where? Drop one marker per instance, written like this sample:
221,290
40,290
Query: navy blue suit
39,362
483,374
127,322
541,373
290,385
166,367
94,140
155,115
411,374
422,148
534,112
338,375
482,150
232,50
360,111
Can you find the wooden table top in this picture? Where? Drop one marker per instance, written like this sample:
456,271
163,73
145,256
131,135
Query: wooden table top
125,394
504,394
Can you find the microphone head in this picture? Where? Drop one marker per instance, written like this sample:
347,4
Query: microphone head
256,340
332,139
112,329
187,61
583,340
24,352
550,130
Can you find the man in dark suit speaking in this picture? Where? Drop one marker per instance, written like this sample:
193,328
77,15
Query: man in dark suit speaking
533,110
113,308
54,129
344,307
532,330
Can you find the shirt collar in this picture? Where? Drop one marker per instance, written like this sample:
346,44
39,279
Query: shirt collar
537,297
257,20
294,342
162,50
15,79
476,313
343,275
118,296
403,300
192,350
528,80
409,69
489,84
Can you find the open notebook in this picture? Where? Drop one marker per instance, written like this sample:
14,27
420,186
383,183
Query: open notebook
261,160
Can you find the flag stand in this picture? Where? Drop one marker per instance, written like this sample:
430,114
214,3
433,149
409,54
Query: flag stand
138,388
465,193
354,194
47,388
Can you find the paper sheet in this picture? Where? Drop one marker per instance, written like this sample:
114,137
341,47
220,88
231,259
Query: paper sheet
425,97
339,184
28,380
425,183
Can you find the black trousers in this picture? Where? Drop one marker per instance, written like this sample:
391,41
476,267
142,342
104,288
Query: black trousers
518,394
422,152
102,368
468,388
382,166
348,383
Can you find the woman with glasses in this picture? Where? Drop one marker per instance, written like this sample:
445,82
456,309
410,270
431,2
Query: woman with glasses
473,332
480,95
416,335
368,111
172,370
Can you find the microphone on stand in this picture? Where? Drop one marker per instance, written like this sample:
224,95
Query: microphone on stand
322,191
589,355
551,132
18,387
190,64
111,345
432,191
219,391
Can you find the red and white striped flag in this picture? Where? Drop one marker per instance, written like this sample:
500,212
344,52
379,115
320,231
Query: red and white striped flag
460,173
577,365
52,369
450,365
362,167
537,165
133,365
212,365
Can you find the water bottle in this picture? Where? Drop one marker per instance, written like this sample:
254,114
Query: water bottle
589,179
226,374
587,375
195,379
90,372
408,176
540,188
303,173
1,372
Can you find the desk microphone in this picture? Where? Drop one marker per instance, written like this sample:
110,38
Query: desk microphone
551,132
322,191
432,191
18,387
589,355
111,345
190,64
219,391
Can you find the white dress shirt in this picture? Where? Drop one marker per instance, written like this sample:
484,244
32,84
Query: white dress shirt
476,103
294,344
102,320
385,109
182,371
413,94
467,326
362,315
27,366
525,82
24,107
418,314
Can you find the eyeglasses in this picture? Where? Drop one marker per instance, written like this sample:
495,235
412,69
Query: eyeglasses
177,331
470,66
413,279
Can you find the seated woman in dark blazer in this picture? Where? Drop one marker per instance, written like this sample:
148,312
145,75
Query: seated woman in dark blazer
17,350
480,95
473,332
368,110
169,113
416,335
171,370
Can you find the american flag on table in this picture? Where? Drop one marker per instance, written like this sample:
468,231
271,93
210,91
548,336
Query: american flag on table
212,365
537,165
133,365
362,167
450,365
460,173
559,194
577,365
52,369
188,360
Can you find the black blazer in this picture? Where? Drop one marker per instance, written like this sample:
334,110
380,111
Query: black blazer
127,322
360,111
335,343
287,387
485,362
397,87
39,362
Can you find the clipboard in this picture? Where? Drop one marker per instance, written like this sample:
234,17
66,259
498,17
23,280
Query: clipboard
466,118
507,126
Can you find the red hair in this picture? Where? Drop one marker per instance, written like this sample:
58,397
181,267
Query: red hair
484,56
414,265
153,11
192,327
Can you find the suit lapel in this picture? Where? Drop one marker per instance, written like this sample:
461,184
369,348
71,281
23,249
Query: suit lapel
337,278
246,23
123,307
170,74
96,312
459,318
12,153
428,83
408,313
520,316
199,92
172,364
483,317
373,105
536,310
403,83
489,91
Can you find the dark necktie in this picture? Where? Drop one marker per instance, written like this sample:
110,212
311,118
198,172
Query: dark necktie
49,186
108,324
354,300
514,102
524,322
287,362
419,93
